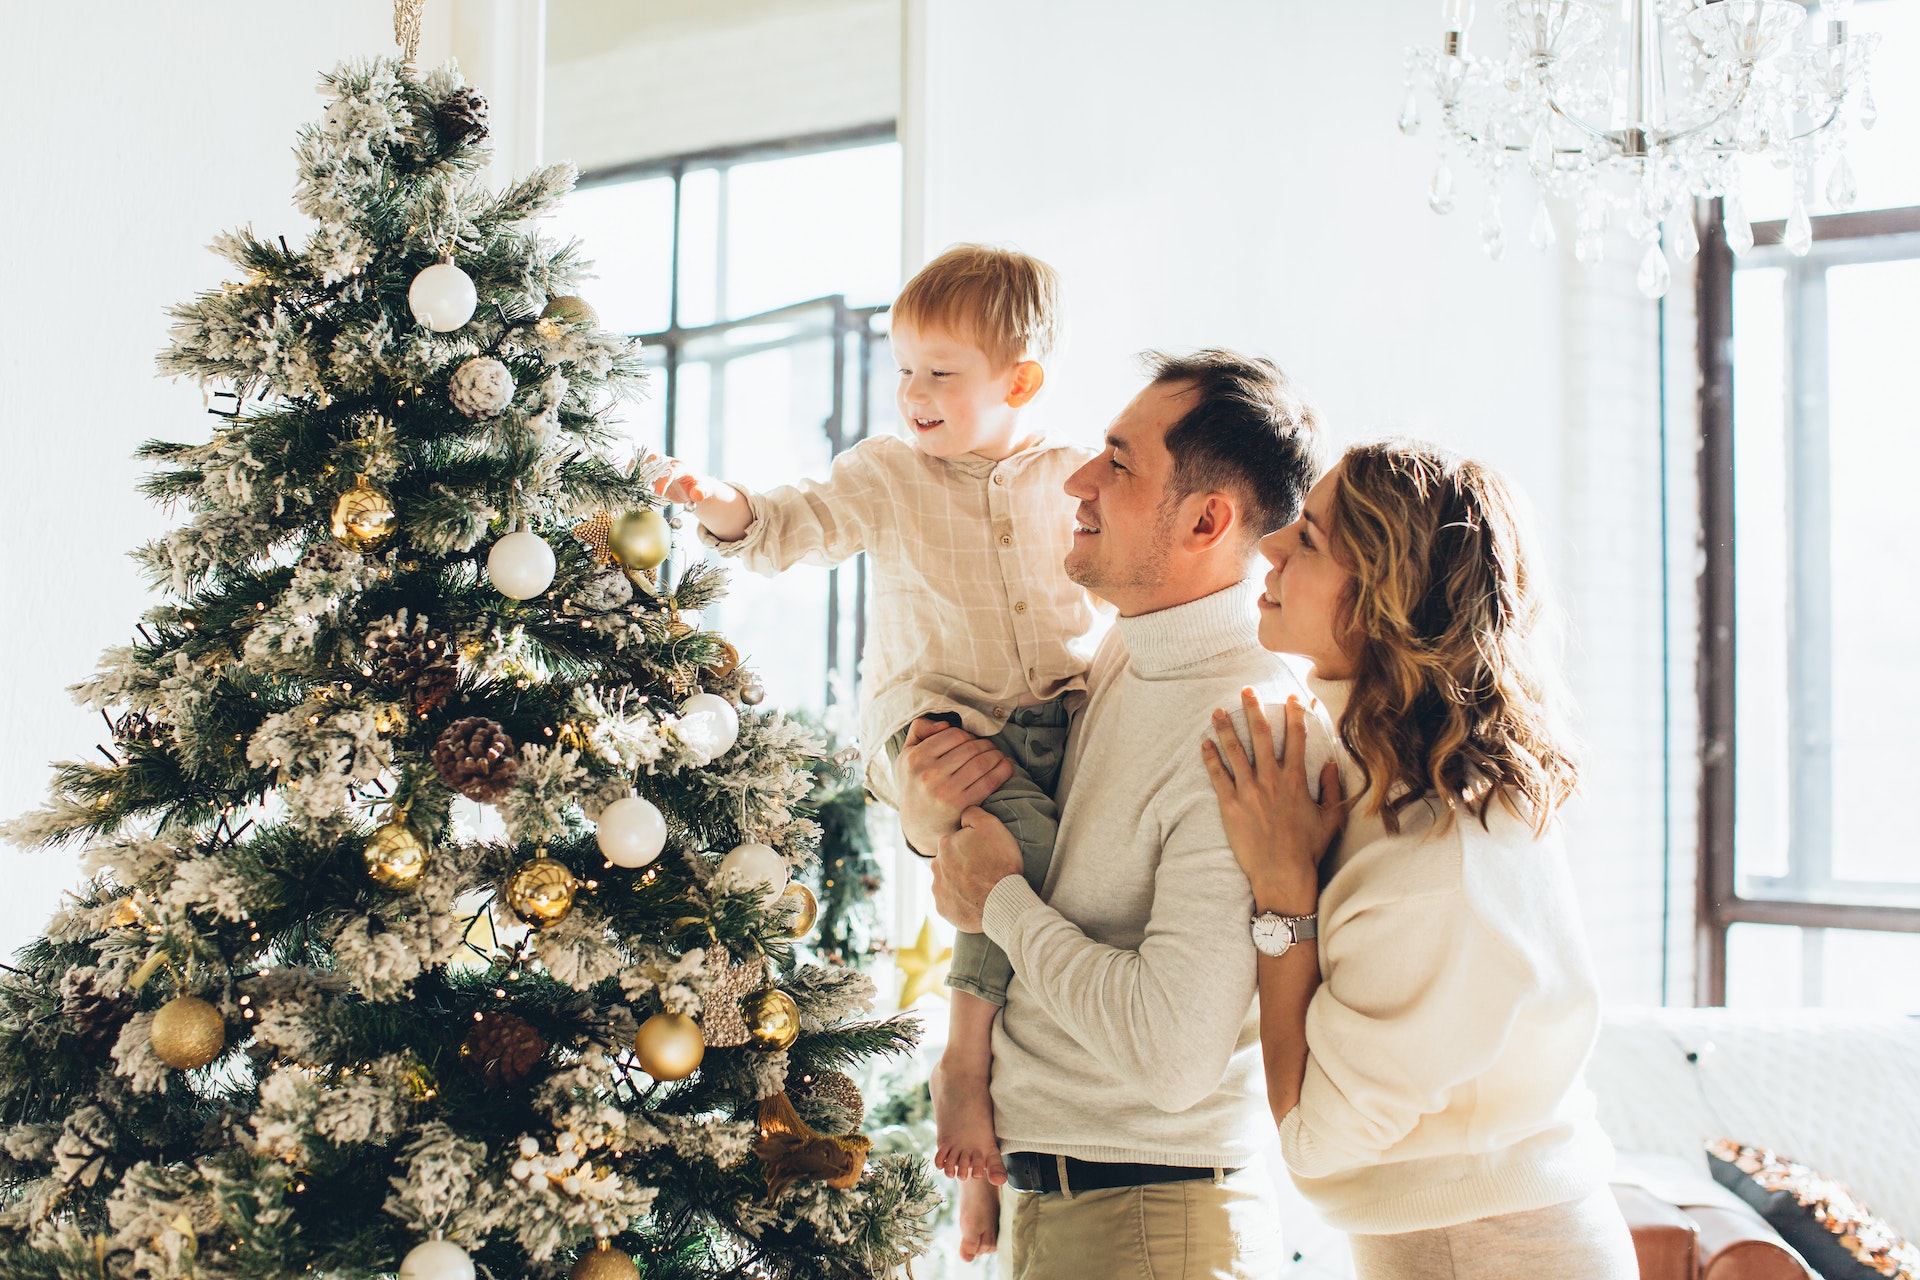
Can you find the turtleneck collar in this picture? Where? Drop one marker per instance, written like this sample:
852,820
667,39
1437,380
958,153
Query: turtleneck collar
1170,640
1333,694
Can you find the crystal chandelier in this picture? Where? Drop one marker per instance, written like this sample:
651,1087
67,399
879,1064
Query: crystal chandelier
1638,133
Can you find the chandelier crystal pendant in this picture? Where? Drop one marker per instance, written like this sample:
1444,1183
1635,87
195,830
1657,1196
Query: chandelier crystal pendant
1629,110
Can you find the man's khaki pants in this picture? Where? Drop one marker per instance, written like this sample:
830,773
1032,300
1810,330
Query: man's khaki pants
1168,1231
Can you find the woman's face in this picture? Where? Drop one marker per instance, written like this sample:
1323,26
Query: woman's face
1300,609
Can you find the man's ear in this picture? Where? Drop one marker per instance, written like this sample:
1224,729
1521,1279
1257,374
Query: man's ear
1027,377
1213,519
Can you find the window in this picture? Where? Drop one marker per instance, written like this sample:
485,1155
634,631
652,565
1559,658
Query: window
757,279
1810,598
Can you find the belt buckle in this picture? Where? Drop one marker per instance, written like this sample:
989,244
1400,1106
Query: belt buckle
1025,1170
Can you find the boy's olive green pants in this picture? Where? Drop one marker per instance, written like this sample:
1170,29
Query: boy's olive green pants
1035,739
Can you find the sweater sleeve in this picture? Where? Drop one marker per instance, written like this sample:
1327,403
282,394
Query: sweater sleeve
1419,998
813,521
1166,1015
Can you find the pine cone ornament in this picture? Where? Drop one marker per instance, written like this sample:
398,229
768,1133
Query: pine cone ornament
475,757
828,1101
603,591
417,659
329,557
502,1049
481,388
94,1019
461,118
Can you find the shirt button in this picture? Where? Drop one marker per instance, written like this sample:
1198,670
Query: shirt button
999,479
1006,539
1020,606
999,713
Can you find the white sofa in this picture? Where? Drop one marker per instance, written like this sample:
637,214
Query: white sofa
1835,1090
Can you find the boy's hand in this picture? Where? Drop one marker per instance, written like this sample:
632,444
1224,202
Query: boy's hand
683,486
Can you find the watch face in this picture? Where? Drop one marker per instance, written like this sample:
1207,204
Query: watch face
1270,936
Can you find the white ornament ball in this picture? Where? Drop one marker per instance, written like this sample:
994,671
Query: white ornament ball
631,832
759,864
442,297
437,1260
481,388
709,724
521,565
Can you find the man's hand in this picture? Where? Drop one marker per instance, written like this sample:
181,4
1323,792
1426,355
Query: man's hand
972,861
942,771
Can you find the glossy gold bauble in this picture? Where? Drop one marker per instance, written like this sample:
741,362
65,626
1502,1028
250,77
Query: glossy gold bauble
568,309
396,856
669,1046
726,664
604,1263
188,1032
773,1019
799,899
363,516
541,891
641,539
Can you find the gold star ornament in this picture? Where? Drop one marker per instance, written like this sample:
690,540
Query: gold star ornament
923,969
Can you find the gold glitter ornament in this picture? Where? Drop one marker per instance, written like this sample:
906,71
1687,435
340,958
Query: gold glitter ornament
773,1019
595,532
540,891
641,539
725,665
669,1046
604,1263
363,516
568,309
799,899
188,1033
721,1024
396,855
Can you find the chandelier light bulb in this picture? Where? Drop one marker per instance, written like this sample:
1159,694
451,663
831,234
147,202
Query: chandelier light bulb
1455,15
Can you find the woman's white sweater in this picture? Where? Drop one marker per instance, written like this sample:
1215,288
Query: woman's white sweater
1451,1029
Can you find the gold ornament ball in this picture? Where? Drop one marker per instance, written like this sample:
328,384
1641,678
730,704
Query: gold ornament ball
188,1032
363,516
604,1264
641,539
396,856
773,1019
541,891
799,899
568,309
669,1046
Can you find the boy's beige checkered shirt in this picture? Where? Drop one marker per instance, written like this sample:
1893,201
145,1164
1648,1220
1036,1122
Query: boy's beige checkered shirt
971,608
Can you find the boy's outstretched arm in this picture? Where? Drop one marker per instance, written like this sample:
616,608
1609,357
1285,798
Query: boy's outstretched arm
720,508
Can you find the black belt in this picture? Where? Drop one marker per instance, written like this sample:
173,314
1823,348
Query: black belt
1034,1171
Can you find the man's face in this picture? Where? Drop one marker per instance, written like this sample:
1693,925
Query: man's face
1124,530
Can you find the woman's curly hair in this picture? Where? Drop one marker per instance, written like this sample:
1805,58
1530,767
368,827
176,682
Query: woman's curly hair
1449,698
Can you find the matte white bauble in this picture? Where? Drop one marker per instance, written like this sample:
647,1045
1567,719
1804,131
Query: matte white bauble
437,1260
759,864
631,832
521,565
709,724
442,297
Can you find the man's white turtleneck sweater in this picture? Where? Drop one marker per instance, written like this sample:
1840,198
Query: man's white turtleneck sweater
1130,1031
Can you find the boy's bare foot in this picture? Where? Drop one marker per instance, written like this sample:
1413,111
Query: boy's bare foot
979,1219
963,1111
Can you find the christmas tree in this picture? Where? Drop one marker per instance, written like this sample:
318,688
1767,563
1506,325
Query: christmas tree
312,1016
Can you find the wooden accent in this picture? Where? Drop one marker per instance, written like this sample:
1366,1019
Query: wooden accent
1713,881
1818,915
1844,226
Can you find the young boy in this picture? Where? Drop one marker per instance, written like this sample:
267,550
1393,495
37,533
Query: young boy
974,620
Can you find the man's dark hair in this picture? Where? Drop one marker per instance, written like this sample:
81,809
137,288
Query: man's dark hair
1249,433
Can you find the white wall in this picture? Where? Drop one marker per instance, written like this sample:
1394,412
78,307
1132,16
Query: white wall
134,133
1228,173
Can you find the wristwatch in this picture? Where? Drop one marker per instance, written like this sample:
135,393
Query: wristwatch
1274,935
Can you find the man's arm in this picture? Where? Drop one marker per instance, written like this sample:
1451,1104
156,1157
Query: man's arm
1168,1014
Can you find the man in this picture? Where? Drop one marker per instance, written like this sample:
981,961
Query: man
1126,1076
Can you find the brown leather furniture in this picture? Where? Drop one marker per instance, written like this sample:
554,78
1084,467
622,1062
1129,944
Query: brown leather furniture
1701,1242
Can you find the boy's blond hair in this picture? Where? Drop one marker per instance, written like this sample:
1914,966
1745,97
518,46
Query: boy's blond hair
1002,300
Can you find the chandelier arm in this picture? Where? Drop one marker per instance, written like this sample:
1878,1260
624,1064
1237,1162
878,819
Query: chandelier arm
1580,124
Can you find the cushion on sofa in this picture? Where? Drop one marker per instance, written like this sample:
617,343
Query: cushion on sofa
1837,1235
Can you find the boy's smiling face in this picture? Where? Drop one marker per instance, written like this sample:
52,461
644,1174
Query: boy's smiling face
953,400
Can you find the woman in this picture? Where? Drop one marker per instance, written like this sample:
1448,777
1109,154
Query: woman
1424,1056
